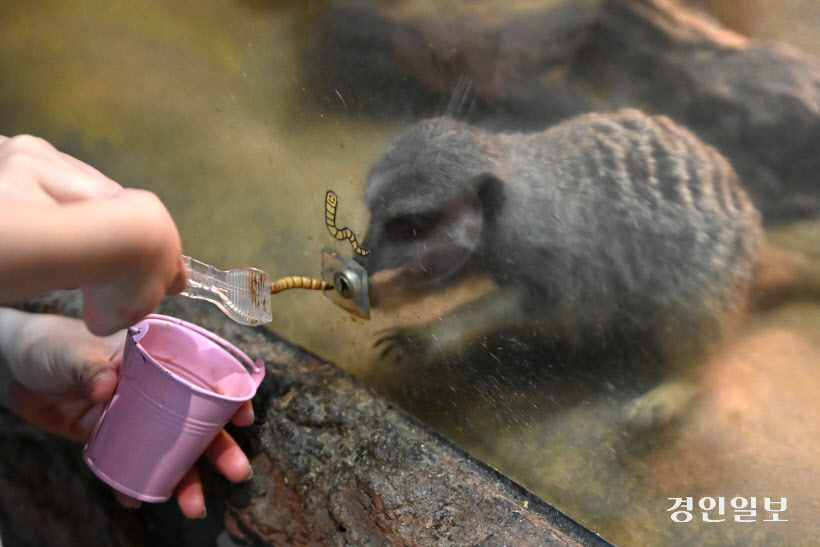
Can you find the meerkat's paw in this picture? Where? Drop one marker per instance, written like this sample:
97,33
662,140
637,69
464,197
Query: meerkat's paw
413,342
402,342
664,405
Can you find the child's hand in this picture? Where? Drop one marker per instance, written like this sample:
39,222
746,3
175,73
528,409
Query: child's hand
66,225
58,376
142,261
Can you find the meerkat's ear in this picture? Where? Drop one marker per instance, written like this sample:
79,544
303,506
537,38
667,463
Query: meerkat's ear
490,191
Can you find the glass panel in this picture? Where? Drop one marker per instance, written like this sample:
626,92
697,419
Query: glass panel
531,301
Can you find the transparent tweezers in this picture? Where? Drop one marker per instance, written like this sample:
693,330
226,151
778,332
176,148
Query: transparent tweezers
242,293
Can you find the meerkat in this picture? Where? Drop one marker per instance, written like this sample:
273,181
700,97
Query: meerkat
605,220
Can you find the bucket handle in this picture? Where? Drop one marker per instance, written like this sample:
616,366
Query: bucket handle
256,368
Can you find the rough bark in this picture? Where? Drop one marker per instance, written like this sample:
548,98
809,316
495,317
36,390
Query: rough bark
333,465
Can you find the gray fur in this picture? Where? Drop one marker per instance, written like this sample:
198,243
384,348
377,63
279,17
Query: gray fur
603,216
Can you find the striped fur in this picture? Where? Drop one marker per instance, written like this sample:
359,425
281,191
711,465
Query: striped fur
600,219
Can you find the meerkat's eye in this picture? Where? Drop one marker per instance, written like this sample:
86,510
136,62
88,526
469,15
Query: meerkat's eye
412,225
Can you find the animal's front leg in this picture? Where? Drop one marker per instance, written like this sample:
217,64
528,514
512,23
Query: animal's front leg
662,406
452,332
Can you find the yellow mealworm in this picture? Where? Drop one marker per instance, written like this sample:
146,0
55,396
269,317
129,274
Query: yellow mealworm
298,282
339,233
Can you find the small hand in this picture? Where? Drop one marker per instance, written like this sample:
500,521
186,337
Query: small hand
58,376
67,225
33,170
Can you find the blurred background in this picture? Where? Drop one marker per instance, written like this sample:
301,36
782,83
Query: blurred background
241,114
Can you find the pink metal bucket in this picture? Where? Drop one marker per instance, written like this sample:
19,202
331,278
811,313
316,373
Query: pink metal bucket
179,384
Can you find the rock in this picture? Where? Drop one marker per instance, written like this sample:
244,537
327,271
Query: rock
49,497
528,68
759,104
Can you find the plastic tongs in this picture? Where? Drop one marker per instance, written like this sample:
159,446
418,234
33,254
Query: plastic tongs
244,294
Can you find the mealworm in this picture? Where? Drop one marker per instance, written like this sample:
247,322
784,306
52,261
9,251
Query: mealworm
339,233
298,282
